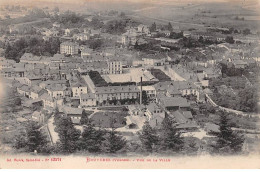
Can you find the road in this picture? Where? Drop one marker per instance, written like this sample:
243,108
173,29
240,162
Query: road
230,110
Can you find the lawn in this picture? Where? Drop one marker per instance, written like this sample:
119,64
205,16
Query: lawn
104,119
160,75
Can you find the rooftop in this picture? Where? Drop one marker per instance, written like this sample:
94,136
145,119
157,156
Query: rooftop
117,89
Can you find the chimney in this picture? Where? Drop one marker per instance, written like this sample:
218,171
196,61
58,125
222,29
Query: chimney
141,92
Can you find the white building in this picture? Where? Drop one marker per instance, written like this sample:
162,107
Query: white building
78,89
88,100
71,48
115,67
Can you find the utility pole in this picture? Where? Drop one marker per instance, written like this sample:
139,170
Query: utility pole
141,92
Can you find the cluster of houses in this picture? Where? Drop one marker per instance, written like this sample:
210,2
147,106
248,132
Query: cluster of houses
59,82
62,82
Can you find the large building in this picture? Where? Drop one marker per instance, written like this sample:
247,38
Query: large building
105,94
69,48
115,67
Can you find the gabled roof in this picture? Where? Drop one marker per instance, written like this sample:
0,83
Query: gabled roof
56,88
174,102
87,96
72,111
47,97
151,107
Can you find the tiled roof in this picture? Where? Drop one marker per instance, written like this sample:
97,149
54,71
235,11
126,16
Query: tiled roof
117,89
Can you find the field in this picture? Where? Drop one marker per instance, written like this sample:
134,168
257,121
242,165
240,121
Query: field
133,75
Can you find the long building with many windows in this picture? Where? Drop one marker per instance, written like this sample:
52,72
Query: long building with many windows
71,48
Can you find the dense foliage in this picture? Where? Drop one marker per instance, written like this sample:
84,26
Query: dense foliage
34,45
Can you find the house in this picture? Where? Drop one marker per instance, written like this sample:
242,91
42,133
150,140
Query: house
150,91
239,64
29,58
32,79
56,91
94,57
130,37
166,33
86,52
35,91
211,72
173,103
94,33
50,83
24,90
69,48
74,113
49,103
143,29
67,32
115,67
56,24
78,88
177,88
38,117
114,93
100,66
184,120
186,34
155,115
82,36
6,63
154,59
88,100
136,110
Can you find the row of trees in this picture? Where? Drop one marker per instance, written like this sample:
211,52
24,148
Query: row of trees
96,140
34,45
92,139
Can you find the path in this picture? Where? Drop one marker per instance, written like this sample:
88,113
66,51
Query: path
51,127
228,109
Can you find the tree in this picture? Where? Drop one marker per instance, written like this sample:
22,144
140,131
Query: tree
228,141
153,27
20,140
68,134
170,137
84,118
148,137
32,139
248,99
113,142
169,27
92,139
122,14
246,31
229,39
56,9
35,139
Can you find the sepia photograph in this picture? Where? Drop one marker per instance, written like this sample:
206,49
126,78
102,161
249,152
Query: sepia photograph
129,84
